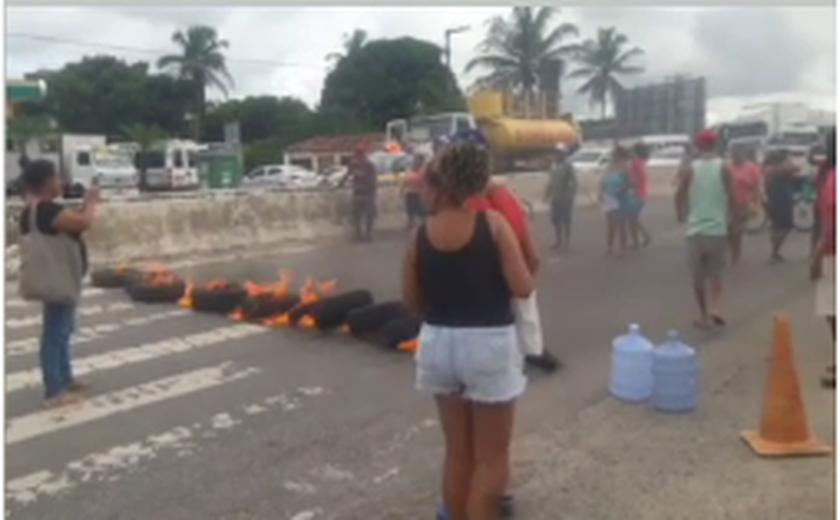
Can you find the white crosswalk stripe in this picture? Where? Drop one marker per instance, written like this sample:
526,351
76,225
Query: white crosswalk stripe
143,363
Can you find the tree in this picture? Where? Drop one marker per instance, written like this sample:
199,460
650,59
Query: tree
259,117
201,63
144,137
353,43
101,94
517,47
603,61
388,79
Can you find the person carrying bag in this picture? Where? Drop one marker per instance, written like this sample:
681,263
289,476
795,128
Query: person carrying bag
53,265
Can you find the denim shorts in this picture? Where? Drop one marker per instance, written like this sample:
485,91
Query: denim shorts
483,365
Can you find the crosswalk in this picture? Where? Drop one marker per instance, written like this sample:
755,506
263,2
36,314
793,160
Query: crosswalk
164,380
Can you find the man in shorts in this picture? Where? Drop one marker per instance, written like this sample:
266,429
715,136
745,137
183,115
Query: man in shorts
703,202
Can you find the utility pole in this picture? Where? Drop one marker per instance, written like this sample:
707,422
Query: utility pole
447,50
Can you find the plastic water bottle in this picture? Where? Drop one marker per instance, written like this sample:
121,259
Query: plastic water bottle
676,376
631,379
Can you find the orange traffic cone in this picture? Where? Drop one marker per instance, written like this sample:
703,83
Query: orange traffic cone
784,430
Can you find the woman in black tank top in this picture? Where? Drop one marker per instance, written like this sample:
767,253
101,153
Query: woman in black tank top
462,270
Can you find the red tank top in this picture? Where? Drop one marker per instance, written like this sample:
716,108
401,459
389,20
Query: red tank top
501,199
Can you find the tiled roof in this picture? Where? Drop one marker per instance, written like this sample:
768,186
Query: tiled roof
337,143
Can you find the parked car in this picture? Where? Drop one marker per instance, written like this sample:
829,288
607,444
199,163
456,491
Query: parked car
667,158
286,176
589,161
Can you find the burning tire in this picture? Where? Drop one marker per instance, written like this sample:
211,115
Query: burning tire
256,308
400,331
141,291
112,278
369,320
331,313
218,300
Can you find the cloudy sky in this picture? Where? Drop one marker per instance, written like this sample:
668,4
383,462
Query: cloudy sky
747,54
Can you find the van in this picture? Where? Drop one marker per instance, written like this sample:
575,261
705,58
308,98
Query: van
170,165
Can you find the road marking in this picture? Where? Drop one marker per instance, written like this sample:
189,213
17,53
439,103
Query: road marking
87,292
108,465
92,310
46,422
145,352
91,333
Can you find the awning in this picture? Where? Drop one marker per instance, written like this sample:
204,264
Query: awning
21,90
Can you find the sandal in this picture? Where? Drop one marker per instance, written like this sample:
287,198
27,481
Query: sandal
717,320
828,381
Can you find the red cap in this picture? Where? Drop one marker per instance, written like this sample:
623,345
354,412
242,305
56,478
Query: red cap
705,139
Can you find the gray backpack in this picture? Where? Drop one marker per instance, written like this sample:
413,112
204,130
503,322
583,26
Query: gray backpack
51,268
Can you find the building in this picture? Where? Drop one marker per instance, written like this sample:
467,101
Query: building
320,153
675,106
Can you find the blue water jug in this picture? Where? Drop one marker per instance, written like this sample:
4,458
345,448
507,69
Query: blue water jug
631,379
676,374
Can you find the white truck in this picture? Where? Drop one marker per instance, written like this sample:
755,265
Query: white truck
81,160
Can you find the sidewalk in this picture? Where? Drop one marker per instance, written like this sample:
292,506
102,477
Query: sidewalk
618,462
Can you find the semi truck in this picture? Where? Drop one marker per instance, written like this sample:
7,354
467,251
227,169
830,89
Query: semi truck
513,141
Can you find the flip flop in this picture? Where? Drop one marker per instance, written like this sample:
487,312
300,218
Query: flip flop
717,320
828,381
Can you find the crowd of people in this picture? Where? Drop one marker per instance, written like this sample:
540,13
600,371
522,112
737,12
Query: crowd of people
470,271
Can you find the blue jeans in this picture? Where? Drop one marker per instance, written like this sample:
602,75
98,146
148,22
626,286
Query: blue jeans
59,322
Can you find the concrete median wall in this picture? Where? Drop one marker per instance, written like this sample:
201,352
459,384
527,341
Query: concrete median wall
145,228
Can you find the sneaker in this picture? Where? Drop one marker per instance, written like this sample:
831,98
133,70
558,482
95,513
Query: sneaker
65,398
546,362
78,386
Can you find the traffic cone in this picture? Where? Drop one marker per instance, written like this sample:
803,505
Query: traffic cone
784,430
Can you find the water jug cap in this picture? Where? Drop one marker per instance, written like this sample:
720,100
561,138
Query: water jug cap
635,328
673,335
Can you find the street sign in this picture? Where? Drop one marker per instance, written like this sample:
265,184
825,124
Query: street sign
232,133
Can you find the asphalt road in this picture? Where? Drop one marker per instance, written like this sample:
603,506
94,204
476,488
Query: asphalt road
197,417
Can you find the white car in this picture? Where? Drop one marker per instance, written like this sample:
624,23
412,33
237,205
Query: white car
590,160
287,176
667,158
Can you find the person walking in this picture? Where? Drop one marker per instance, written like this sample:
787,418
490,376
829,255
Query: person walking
412,188
639,193
363,200
817,173
42,217
780,186
560,195
823,258
745,180
462,269
614,199
703,202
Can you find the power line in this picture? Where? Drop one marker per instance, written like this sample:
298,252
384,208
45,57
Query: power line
156,52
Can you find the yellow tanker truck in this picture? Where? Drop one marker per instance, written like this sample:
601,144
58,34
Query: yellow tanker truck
512,140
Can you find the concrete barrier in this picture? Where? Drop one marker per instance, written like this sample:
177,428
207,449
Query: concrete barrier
146,228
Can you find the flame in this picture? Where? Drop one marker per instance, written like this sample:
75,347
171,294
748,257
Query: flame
410,346
346,329
161,280
216,284
308,322
186,301
308,294
326,288
237,315
278,322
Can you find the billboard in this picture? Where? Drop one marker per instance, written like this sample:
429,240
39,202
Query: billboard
675,106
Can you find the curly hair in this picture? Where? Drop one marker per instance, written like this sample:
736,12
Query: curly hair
460,171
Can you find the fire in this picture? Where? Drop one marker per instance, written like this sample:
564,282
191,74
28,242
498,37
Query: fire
216,284
186,301
346,329
410,346
307,322
161,279
277,322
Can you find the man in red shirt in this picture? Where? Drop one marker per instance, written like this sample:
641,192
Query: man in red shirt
823,260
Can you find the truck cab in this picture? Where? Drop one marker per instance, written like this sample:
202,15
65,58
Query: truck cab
86,160
421,132
170,165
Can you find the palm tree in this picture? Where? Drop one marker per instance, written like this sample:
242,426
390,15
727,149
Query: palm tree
517,47
201,62
353,43
603,61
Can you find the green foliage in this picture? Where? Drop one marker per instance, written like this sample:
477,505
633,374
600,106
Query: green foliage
389,79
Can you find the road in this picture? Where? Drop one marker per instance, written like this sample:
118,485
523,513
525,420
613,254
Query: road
197,417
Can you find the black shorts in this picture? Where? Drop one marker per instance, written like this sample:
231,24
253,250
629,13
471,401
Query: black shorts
780,215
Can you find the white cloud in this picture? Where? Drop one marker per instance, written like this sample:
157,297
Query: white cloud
282,50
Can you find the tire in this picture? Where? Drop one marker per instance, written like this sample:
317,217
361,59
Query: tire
140,292
112,278
803,216
372,318
331,313
221,300
398,331
267,306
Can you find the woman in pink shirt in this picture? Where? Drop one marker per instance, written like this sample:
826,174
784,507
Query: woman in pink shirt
745,181
823,260
639,185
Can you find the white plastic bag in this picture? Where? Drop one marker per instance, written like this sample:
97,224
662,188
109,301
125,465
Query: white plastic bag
528,326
